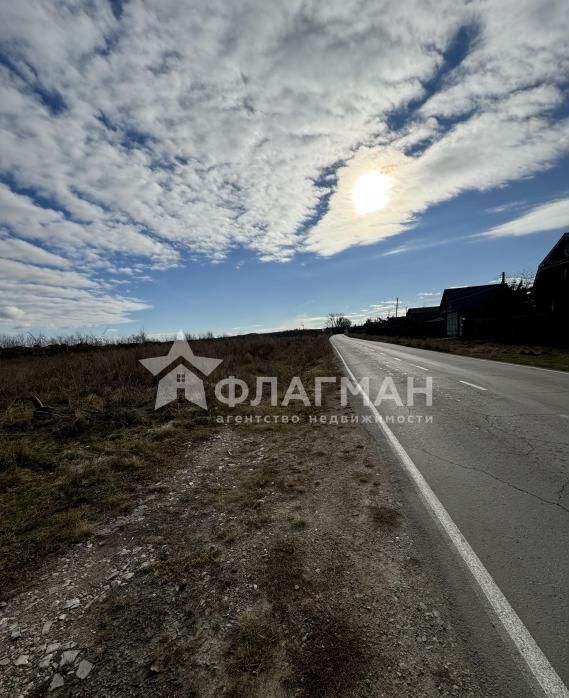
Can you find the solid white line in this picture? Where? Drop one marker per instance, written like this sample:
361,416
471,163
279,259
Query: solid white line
537,662
473,385
421,367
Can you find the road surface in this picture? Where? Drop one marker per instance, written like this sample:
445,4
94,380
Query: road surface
496,456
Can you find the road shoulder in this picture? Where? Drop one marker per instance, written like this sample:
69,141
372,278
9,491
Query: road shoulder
275,561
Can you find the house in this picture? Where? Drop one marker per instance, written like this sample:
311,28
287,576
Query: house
551,291
461,308
430,312
426,321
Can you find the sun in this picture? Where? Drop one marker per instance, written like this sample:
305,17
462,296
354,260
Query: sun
371,192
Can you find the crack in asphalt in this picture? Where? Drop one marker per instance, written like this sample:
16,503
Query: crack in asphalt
490,425
504,482
517,435
561,493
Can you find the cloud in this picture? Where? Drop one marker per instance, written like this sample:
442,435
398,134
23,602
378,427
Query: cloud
486,151
134,139
34,296
551,216
15,249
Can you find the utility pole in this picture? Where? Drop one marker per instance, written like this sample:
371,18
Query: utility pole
396,306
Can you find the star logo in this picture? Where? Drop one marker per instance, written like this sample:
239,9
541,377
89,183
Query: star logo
179,377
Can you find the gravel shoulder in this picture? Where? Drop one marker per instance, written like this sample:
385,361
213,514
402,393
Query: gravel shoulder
275,561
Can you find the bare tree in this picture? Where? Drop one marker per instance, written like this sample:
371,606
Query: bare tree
337,321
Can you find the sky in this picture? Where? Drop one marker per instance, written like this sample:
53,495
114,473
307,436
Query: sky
252,166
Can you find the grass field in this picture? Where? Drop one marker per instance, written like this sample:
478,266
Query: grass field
544,357
65,467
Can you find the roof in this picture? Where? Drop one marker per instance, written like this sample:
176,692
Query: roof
472,297
558,254
423,314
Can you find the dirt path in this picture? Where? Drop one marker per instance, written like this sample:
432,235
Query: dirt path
275,562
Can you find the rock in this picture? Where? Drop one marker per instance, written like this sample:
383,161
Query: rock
71,603
52,647
69,645
22,660
5,661
46,627
68,657
84,669
155,668
56,682
45,662
15,633
103,532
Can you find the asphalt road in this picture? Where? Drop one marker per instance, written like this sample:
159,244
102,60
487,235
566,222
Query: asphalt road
497,457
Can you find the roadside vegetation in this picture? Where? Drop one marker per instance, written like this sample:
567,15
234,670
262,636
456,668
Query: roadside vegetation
544,357
79,434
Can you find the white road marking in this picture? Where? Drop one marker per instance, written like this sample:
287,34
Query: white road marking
473,385
421,367
538,664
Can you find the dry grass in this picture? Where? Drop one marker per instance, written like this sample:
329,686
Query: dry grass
99,439
544,357
326,654
330,659
384,517
251,645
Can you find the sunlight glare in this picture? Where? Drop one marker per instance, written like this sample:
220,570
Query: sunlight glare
371,192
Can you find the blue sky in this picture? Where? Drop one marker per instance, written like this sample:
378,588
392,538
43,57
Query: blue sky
196,165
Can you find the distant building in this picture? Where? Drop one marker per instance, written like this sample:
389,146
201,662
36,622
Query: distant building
426,321
430,312
463,306
551,290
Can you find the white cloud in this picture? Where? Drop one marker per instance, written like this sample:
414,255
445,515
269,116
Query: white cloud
15,249
551,216
487,151
192,128
34,296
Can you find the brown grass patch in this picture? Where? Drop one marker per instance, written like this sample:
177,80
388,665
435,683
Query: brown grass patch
384,516
99,439
330,659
